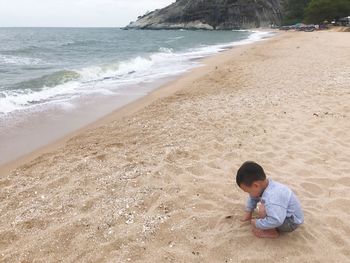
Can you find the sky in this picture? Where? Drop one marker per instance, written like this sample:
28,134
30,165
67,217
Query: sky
74,13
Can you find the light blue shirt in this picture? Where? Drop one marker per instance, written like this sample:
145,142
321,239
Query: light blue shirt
280,202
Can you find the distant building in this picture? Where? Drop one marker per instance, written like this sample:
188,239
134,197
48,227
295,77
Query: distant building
345,21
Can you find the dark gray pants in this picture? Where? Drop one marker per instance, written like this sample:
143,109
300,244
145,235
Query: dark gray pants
288,225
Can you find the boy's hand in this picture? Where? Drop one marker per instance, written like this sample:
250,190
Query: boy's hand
247,217
253,223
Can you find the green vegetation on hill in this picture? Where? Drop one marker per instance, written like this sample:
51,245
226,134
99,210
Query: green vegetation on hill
314,11
294,11
320,10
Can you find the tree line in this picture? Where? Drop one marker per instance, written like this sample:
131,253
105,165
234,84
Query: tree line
314,11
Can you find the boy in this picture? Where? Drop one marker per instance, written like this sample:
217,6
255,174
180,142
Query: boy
280,210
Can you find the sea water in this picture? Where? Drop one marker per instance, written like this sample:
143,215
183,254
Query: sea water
47,74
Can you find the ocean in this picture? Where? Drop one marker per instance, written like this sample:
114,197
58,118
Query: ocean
50,75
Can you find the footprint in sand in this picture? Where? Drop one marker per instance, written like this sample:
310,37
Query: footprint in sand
174,169
5,182
34,223
270,155
304,173
323,182
88,205
7,237
314,161
214,165
346,252
341,205
58,182
344,181
101,157
196,170
335,239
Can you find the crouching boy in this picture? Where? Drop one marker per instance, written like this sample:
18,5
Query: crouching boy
280,210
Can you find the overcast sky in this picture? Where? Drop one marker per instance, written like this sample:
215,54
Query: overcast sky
74,13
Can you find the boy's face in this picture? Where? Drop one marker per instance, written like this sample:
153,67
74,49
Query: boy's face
255,190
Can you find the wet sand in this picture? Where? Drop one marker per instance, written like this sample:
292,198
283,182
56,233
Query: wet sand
24,133
154,182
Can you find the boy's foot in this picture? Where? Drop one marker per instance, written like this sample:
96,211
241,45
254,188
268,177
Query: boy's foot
271,233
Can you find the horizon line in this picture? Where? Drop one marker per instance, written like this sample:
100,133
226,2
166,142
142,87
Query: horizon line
62,26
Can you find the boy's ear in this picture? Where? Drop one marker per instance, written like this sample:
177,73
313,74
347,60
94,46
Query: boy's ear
255,184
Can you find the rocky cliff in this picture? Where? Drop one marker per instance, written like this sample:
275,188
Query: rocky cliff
212,15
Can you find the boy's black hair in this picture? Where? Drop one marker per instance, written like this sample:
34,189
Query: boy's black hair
248,173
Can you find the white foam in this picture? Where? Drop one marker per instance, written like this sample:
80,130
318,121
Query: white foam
15,60
26,99
166,50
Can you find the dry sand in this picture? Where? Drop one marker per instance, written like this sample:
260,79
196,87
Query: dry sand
158,184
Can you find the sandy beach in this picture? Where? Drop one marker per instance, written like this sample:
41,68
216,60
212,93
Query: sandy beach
155,181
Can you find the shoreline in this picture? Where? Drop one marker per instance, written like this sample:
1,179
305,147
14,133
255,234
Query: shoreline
162,90
159,184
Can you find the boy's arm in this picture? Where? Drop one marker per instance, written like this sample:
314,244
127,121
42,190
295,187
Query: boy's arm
251,204
275,216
